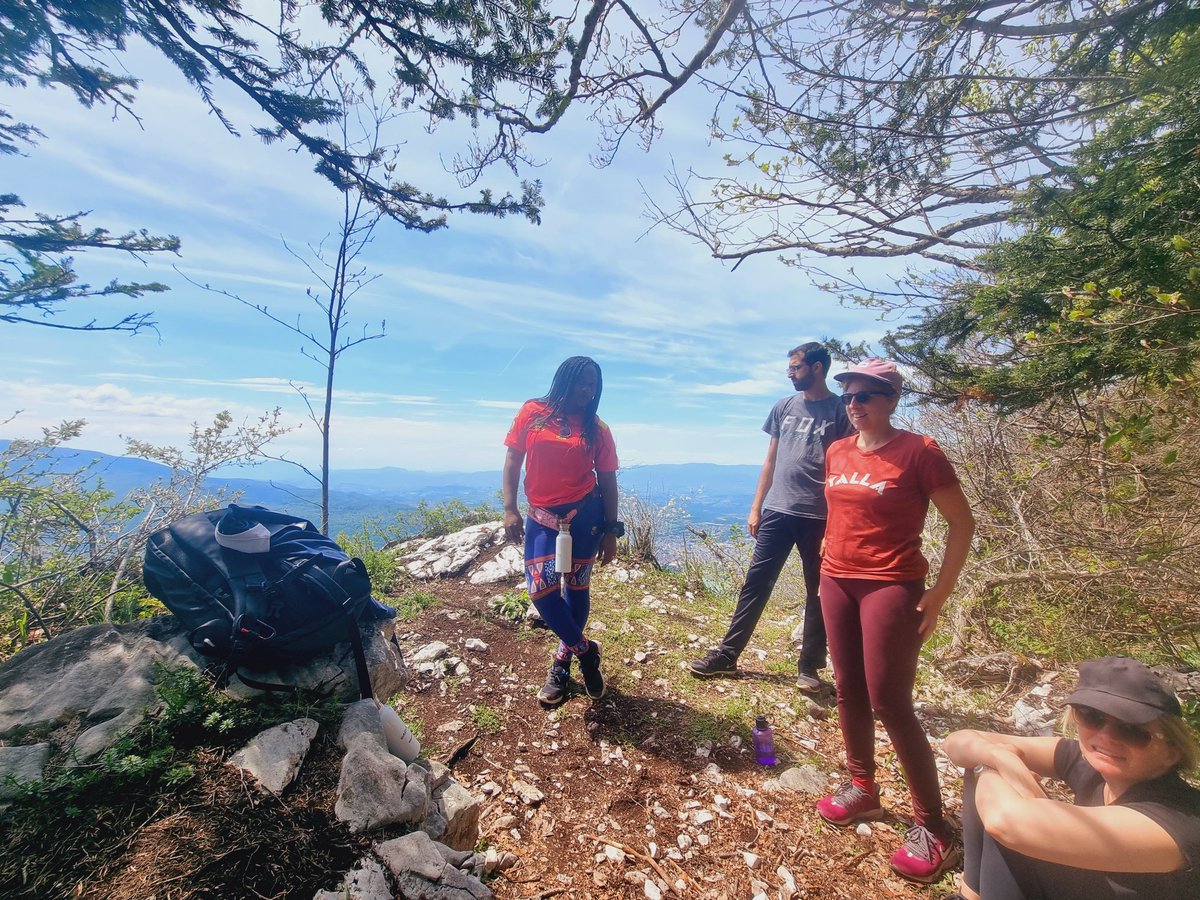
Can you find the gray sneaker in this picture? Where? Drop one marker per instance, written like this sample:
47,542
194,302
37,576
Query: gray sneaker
556,688
809,682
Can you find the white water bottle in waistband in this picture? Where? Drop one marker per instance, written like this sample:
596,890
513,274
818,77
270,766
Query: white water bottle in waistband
562,555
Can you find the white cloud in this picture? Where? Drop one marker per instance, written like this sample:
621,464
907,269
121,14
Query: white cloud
746,387
510,405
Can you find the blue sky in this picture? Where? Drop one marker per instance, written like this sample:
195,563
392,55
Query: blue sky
478,315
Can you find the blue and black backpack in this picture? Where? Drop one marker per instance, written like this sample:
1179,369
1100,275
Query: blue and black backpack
259,589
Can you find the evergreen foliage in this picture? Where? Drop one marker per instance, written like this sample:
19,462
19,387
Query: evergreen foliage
286,72
508,68
37,278
1103,282
513,65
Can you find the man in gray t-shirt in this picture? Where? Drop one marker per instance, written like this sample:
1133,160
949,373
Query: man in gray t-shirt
789,511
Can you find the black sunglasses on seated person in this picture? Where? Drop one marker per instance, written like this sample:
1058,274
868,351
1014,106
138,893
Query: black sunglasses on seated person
1126,732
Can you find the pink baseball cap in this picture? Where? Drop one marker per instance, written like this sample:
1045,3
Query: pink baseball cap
878,369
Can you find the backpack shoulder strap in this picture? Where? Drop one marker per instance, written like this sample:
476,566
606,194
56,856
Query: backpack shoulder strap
248,583
337,595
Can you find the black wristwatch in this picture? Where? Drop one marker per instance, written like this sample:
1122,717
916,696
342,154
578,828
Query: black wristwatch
614,528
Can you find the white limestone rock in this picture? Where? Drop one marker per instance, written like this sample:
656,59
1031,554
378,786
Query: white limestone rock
273,757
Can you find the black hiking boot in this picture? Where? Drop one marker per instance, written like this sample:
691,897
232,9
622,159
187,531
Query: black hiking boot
589,665
557,686
713,663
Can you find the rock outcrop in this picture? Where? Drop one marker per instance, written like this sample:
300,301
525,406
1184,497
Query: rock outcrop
467,552
100,680
101,676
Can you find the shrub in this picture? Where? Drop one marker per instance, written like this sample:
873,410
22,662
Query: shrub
646,525
70,550
434,520
381,564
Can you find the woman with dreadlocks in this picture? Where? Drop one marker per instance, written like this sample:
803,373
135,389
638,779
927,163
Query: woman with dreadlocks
571,484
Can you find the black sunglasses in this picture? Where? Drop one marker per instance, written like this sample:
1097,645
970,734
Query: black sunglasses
1133,735
863,397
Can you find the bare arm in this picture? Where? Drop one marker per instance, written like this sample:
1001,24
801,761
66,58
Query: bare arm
951,502
1018,759
1098,838
514,525
608,494
1017,813
765,478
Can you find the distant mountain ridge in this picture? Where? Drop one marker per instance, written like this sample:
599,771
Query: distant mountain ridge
709,494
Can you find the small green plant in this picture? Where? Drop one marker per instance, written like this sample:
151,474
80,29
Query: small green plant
487,719
781,665
706,727
409,605
381,564
179,774
192,707
510,605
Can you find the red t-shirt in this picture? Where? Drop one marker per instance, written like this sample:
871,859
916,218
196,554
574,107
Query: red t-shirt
877,505
559,465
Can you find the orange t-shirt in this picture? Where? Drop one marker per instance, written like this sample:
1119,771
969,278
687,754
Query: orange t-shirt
559,465
877,505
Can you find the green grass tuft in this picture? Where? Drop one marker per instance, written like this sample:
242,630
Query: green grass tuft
409,605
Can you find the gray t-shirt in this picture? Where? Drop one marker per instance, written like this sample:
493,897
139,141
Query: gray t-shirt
805,429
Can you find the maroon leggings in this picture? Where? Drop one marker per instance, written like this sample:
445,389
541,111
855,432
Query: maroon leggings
874,643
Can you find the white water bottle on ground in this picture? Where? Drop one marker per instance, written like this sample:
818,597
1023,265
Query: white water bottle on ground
401,741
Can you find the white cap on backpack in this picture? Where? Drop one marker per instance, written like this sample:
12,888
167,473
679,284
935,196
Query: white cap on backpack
246,536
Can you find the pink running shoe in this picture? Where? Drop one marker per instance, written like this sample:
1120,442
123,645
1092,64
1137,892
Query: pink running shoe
849,804
924,856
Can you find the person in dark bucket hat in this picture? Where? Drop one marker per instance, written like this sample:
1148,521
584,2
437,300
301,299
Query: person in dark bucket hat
1134,828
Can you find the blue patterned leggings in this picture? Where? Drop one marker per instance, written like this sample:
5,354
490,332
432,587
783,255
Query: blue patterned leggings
566,618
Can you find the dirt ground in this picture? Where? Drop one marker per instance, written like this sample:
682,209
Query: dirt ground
657,779
624,778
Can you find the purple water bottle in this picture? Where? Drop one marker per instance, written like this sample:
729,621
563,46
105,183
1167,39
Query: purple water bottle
764,741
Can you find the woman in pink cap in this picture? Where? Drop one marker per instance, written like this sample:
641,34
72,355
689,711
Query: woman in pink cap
1134,828
877,609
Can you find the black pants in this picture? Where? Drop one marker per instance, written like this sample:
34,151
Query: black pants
985,861
777,534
